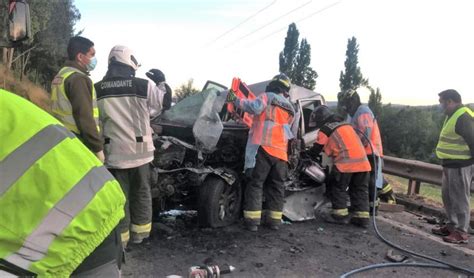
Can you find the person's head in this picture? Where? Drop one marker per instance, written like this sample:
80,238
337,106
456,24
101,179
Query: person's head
280,84
449,100
123,55
320,116
81,50
348,101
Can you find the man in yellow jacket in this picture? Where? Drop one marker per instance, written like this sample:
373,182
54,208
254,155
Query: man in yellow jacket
59,205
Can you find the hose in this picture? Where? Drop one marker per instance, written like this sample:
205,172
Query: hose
441,263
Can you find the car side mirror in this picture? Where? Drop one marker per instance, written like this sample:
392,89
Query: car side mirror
17,23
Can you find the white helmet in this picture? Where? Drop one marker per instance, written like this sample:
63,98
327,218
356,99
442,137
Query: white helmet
124,55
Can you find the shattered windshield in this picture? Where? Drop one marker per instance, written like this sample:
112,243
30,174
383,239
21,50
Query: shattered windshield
186,111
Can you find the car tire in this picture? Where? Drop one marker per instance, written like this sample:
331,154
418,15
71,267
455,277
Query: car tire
219,203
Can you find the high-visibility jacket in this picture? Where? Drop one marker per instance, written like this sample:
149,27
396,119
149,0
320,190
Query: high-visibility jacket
451,145
61,106
364,120
271,126
57,201
342,144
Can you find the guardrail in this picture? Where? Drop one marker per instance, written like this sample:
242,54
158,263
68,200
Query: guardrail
415,171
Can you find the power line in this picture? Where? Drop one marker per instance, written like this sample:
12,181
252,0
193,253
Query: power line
265,25
238,25
311,15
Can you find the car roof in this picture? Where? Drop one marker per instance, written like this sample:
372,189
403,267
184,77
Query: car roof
296,92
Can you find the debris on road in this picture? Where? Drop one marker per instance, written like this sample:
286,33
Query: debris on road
395,258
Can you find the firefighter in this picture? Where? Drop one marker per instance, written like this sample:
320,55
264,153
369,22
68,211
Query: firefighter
59,206
363,120
266,158
351,167
126,104
73,96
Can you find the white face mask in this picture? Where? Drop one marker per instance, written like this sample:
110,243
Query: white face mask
92,64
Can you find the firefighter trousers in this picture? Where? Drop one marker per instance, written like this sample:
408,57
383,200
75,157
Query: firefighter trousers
353,184
135,183
266,182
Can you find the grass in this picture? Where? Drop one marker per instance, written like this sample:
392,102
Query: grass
430,192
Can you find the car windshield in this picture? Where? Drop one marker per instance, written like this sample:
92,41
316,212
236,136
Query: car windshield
186,111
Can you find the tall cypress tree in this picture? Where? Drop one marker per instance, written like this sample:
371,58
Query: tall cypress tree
290,51
304,75
352,77
296,58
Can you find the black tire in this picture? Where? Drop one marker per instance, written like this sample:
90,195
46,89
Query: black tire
219,203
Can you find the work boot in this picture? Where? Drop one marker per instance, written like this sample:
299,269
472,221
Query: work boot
457,237
371,211
360,222
444,230
251,227
336,219
138,238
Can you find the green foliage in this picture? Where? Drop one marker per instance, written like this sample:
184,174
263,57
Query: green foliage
185,90
411,132
352,77
295,60
375,102
52,24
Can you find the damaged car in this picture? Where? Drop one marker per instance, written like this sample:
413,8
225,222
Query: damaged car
199,157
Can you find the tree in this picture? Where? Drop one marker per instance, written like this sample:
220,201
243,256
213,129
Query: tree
375,101
185,90
304,75
288,55
52,24
296,58
352,77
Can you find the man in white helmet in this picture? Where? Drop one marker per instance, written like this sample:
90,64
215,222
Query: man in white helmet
126,104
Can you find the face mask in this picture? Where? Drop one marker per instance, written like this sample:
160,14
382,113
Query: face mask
92,64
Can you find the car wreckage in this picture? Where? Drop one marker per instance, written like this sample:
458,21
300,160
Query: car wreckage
199,157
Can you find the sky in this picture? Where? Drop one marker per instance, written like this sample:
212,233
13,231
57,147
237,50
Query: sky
411,50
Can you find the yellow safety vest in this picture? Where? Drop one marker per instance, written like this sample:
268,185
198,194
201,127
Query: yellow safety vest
451,145
61,106
57,200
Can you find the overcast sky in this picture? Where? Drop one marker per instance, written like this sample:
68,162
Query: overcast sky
411,50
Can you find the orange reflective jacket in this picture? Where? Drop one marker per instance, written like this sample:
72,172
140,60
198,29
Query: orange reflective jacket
364,121
270,129
342,144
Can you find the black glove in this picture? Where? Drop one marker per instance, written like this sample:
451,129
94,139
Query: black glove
231,96
315,150
156,75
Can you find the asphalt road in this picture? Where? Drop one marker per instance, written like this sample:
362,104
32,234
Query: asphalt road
305,249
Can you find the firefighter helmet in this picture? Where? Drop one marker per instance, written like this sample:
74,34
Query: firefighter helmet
124,55
319,116
280,81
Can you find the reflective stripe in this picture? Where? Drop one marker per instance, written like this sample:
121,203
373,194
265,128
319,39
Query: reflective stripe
350,160
145,228
360,214
125,237
254,214
449,140
36,245
386,189
275,214
340,212
454,152
21,159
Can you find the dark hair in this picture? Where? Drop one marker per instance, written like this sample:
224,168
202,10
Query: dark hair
77,45
450,95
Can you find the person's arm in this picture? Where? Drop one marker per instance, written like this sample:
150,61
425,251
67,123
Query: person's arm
465,128
79,92
155,99
255,106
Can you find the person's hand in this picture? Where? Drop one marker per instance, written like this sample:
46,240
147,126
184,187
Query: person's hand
231,96
100,155
156,75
